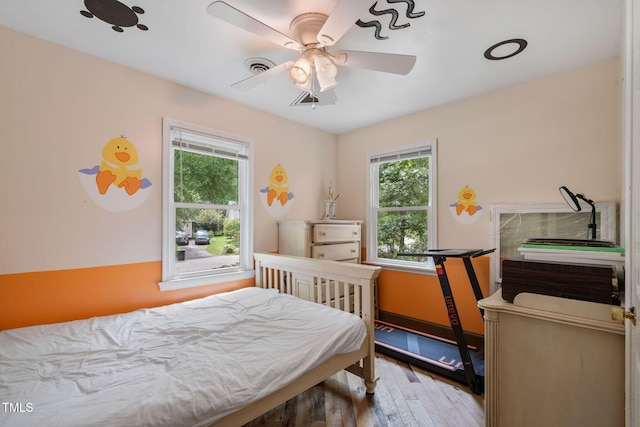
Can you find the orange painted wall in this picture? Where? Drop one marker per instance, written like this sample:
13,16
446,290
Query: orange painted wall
420,296
55,296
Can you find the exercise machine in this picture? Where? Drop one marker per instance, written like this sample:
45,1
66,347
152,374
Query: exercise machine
473,380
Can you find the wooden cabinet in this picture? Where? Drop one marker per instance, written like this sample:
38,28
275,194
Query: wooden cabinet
334,240
552,361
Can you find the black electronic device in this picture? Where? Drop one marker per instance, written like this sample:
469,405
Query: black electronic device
587,282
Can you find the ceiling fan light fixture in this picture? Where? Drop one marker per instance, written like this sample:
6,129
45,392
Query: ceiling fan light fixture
339,58
326,72
300,71
311,33
306,86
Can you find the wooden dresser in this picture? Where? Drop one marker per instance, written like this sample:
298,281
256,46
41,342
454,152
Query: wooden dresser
334,240
552,361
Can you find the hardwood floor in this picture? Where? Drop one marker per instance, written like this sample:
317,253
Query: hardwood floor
405,396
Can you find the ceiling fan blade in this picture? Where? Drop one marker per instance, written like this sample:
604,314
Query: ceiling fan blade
343,17
230,14
256,79
386,62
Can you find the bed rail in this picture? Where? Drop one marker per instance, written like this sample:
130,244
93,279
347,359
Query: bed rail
341,285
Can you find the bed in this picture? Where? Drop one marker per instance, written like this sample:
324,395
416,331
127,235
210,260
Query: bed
216,361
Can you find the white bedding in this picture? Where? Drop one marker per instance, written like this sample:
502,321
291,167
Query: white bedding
179,365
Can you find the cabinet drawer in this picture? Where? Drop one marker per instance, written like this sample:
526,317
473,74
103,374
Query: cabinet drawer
324,233
336,252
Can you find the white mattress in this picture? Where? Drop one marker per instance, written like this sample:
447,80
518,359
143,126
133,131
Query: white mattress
180,365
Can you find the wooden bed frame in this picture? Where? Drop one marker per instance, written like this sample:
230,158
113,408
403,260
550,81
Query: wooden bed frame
343,286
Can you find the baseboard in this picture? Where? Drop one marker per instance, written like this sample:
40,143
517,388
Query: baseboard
429,327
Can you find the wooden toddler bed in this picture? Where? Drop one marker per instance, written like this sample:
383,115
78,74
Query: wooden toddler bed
221,360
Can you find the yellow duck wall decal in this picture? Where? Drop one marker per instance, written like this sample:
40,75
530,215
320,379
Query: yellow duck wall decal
467,201
130,190
278,186
117,156
466,209
277,191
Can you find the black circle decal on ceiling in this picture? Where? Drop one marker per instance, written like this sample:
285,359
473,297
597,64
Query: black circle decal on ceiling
521,45
113,12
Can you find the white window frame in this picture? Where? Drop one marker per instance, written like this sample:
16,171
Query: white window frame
170,279
426,267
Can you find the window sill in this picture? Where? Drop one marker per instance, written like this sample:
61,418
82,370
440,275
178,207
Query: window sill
191,282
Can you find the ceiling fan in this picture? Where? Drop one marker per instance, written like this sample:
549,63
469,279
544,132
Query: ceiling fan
312,34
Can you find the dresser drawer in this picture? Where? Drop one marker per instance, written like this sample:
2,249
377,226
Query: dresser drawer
335,240
337,252
325,233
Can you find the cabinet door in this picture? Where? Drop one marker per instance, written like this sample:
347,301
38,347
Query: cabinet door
337,252
326,233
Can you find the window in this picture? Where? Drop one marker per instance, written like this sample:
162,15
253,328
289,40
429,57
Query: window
402,210
207,224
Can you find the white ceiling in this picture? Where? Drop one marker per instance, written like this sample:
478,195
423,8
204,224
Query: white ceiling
186,45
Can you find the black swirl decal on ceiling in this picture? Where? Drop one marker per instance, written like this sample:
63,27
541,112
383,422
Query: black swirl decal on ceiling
394,16
375,24
393,19
410,7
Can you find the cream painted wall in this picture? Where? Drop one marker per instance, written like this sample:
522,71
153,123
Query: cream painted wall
59,108
514,146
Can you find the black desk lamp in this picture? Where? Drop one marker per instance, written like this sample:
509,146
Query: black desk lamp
572,200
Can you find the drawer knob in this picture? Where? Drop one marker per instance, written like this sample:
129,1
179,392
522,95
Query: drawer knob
323,233
321,255
353,251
